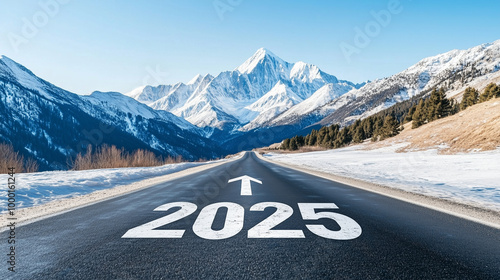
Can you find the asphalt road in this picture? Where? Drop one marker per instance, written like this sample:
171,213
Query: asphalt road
369,236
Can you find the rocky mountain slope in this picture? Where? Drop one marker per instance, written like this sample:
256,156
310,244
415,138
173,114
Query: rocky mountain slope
260,89
267,95
263,101
453,70
51,125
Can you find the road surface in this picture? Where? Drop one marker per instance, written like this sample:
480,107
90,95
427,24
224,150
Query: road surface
207,228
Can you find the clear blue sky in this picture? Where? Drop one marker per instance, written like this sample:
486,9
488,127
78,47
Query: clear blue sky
90,45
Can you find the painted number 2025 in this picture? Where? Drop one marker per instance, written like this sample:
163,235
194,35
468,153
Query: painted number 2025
202,227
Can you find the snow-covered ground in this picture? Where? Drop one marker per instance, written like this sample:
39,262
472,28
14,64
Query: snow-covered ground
472,178
43,187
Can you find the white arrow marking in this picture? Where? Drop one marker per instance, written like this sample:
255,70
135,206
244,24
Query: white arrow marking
246,189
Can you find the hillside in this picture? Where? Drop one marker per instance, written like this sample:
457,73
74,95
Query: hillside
454,70
52,125
267,95
475,129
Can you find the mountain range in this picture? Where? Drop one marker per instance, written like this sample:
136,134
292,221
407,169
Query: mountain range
263,101
269,96
259,90
52,125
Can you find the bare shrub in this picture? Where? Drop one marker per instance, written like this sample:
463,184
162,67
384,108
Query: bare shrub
83,162
10,158
31,166
112,157
177,159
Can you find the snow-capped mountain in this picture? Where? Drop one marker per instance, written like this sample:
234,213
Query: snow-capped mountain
323,96
453,70
263,101
117,105
51,125
266,94
279,99
258,90
180,93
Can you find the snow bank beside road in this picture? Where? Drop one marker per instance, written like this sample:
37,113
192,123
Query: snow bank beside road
48,193
96,186
472,178
38,188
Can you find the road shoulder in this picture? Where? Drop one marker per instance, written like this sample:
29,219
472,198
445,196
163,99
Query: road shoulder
57,207
476,214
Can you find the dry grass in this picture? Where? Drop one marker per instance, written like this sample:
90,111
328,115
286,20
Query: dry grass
303,149
10,158
475,129
112,157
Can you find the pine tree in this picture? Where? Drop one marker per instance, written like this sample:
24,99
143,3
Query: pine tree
325,142
408,117
293,144
313,138
495,91
378,124
418,115
321,136
469,98
443,108
343,137
431,105
359,135
437,106
390,127
333,130
368,127
285,145
300,140
455,107
492,90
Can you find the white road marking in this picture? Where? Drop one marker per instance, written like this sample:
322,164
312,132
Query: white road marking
246,188
148,230
349,228
232,226
265,229
234,220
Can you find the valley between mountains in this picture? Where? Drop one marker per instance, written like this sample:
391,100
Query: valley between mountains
263,101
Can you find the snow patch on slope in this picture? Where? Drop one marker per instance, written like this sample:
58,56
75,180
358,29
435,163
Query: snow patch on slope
123,105
279,99
23,76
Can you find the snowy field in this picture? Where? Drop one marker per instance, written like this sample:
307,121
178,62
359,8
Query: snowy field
472,178
42,187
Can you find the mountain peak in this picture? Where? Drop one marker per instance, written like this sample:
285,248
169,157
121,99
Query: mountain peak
4,57
9,62
195,80
264,51
24,76
259,56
